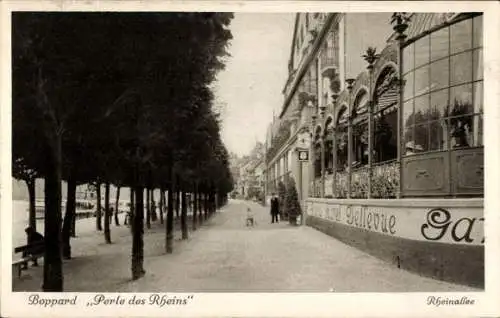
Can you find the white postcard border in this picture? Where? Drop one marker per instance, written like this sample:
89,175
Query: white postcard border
278,304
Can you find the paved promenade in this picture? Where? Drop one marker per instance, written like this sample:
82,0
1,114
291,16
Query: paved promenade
226,256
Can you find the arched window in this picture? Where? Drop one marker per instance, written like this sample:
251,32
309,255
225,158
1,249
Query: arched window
385,102
360,129
342,139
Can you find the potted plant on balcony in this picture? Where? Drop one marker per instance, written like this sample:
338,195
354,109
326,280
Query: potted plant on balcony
400,21
292,204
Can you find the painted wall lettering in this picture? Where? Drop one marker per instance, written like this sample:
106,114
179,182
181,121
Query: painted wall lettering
369,218
439,221
459,225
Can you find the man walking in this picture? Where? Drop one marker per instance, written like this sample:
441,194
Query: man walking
275,208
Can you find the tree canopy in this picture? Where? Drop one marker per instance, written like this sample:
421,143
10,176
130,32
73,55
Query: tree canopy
119,98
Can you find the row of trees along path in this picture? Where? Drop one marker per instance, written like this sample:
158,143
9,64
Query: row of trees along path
122,99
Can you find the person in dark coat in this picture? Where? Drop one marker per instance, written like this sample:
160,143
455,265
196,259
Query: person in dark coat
36,239
275,208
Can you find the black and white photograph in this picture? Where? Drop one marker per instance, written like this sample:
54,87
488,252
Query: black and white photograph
154,156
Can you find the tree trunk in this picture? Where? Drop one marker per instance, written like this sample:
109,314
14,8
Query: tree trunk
148,209
68,219
162,204
137,235
200,207
73,224
169,242
195,207
205,204
214,202
32,208
98,217
210,206
53,280
132,209
177,203
107,215
117,206
184,226
154,216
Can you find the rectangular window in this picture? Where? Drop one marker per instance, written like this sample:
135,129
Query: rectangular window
478,31
408,88
461,100
440,44
408,58
461,36
477,64
439,102
422,109
421,138
478,97
462,131
408,141
479,130
461,68
436,135
422,49
422,80
440,71
408,117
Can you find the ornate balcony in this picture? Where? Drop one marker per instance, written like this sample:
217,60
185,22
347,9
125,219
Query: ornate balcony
329,62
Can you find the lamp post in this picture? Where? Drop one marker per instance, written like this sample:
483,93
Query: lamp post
350,83
313,155
335,96
370,57
400,21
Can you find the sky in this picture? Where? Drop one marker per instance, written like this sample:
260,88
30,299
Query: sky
250,86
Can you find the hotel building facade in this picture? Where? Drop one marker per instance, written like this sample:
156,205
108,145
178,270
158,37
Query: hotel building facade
388,109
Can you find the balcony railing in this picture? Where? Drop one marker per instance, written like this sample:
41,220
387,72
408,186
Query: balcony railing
359,182
385,179
385,182
328,59
341,184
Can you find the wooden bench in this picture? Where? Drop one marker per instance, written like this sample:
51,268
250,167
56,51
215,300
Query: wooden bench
28,255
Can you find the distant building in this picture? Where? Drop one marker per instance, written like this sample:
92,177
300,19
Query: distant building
251,173
395,161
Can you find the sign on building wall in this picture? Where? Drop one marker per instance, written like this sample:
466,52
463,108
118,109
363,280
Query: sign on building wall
303,140
303,155
458,225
